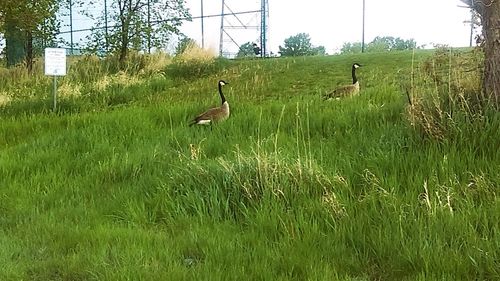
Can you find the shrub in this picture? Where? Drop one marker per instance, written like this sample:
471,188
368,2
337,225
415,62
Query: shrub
445,94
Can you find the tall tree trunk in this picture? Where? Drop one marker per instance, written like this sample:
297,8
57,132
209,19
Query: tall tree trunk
491,31
29,51
14,42
124,44
123,51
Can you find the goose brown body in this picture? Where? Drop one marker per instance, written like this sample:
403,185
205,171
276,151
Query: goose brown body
215,114
346,90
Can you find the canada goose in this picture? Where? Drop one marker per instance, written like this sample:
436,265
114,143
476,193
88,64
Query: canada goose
214,114
346,90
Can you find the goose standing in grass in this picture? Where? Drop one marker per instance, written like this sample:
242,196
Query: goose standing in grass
347,90
215,114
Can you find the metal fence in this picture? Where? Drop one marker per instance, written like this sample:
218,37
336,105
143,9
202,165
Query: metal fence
223,30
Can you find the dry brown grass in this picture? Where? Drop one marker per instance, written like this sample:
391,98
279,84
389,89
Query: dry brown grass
193,52
69,90
443,87
4,98
195,62
121,78
156,63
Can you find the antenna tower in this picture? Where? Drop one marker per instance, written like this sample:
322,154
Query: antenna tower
233,28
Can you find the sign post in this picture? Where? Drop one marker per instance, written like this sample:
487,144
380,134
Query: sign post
55,65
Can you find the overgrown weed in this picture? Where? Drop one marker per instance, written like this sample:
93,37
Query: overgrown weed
445,95
196,62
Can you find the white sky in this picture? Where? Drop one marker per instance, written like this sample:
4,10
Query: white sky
331,23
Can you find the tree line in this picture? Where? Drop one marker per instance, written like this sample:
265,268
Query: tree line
296,45
300,45
380,44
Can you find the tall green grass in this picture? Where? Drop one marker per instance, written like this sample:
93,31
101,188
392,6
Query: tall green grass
116,186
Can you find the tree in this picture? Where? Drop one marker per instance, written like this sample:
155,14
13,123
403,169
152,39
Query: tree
139,25
489,14
320,51
380,44
401,44
14,40
246,50
300,45
183,44
27,24
351,48
389,43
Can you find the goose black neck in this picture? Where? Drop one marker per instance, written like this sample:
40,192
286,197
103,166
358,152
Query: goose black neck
354,79
222,97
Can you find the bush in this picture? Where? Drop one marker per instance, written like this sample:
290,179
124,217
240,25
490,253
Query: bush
445,95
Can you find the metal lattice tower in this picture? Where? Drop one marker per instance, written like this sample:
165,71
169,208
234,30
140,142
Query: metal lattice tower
264,20
255,28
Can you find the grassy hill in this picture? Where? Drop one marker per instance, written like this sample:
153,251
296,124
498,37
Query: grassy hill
116,186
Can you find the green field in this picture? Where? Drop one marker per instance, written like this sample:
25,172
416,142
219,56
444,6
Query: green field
116,186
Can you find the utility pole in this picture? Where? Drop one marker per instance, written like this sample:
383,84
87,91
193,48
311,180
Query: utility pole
106,26
471,23
363,32
221,44
71,26
149,27
202,28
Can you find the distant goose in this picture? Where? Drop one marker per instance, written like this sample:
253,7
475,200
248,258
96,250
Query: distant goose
347,90
214,114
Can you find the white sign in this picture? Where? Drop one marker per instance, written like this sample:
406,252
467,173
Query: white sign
55,61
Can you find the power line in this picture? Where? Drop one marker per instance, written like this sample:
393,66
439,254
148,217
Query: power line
160,21
227,25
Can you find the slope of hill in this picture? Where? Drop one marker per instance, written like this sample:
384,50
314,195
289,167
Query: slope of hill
116,186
